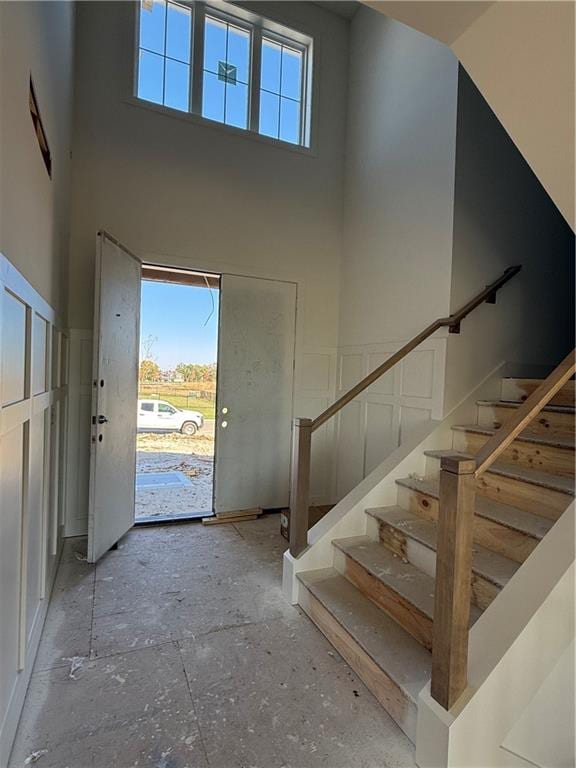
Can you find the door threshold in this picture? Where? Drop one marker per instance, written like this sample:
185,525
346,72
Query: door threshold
193,517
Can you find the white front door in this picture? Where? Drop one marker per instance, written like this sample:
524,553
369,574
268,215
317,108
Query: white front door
115,392
254,393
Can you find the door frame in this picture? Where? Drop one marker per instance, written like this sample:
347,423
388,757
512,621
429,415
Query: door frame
207,275
174,267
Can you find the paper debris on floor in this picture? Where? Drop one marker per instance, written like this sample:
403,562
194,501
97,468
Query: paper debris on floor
76,663
32,758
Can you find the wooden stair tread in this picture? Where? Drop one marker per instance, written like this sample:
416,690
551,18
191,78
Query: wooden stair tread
516,404
490,565
405,579
558,441
403,659
533,476
512,517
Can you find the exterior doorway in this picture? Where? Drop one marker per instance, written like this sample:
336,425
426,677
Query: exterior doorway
177,378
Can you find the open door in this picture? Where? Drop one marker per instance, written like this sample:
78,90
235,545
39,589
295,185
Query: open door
254,393
115,395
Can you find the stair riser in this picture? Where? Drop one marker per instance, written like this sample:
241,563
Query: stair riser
499,538
401,610
547,424
546,458
545,502
520,389
400,708
424,558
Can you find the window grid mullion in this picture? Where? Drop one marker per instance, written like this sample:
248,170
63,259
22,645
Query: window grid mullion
226,71
155,53
280,89
303,95
276,93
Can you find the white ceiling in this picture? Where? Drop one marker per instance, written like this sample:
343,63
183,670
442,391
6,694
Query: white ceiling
341,7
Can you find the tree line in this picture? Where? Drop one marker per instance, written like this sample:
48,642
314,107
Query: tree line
150,372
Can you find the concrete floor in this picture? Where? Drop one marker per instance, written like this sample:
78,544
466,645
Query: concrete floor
178,650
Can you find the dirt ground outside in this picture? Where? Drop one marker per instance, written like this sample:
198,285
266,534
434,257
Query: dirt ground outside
173,452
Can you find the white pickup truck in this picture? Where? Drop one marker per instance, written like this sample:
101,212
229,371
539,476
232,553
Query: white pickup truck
158,415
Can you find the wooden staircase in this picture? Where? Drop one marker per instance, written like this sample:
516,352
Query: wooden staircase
376,605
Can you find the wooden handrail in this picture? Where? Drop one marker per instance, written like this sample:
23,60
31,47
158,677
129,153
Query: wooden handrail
529,409
458,475
453,322
303,428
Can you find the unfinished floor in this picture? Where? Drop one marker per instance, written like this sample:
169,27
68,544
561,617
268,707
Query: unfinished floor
178,650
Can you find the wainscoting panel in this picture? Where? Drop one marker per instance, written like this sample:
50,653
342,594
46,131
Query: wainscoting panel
377,421
13,349
381,433
32,403
350,448
314,392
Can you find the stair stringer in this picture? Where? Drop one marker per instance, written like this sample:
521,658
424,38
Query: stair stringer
520,637
348,518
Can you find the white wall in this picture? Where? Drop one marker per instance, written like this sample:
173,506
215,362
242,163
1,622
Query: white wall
187,193
521,57
35,39
528,79
397,240
438,202
503,216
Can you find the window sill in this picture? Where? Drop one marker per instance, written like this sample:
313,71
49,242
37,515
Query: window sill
190,117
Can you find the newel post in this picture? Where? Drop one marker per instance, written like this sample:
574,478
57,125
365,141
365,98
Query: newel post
453,579
300,485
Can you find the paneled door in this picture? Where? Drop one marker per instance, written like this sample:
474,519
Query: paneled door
115,394
254,393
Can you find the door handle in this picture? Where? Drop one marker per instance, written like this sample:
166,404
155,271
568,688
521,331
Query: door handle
102,420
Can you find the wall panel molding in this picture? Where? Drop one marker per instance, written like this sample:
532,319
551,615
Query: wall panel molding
32,403
374,424
315,385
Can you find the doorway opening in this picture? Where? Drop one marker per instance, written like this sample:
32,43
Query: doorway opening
177,377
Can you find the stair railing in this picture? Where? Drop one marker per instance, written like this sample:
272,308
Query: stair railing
304,428
458,476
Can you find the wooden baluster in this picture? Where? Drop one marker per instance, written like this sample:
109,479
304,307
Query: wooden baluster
300,485
453,579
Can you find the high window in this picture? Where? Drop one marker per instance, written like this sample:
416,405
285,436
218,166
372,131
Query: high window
225,65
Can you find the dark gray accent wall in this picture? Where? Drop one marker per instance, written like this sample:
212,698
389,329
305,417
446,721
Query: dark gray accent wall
503,216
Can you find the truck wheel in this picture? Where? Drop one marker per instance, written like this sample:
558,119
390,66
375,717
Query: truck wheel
189,428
